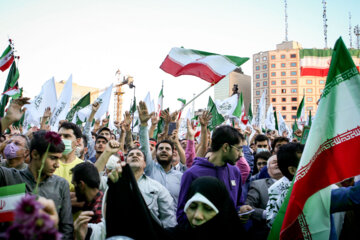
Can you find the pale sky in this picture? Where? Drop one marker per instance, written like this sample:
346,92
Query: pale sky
91,39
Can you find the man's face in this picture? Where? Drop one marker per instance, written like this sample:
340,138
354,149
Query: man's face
152,145
164,153
273,168
262,145
234,153
20,142
79,191
100,145
278,145
51,163
67,134
82,148
106,134
176,157
183,144
261,163
135,159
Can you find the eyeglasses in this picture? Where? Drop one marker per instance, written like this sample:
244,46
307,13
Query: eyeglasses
240,149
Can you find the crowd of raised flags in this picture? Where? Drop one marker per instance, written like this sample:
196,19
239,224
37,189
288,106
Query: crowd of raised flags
332,143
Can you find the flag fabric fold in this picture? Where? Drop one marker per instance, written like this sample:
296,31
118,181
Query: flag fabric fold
11,82
83,102
211,67
216,117
9,197
329,152
7,58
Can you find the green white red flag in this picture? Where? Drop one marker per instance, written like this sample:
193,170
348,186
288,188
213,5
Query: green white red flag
9,197
7,58
160,102
211,67
300,114
13,92
329,152
316,62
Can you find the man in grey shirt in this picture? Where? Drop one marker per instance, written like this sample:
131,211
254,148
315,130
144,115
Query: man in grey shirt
51,186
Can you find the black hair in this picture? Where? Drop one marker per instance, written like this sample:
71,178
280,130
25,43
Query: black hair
84,140
73,126
40,144
286,157
152,139
278,139
165,141
102,137
263,155
104,129
260,138
93,134
88,173
225,134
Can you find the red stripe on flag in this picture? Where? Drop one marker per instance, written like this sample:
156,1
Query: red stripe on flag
7,64
335,164
200,70
318,72
7,216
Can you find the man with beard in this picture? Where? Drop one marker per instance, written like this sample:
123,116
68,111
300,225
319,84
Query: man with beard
226,149
86,180
161,170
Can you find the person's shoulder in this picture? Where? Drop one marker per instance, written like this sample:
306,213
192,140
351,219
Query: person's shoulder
258,182
78,161
60,180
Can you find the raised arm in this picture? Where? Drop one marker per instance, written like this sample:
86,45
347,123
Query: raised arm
91,144
174,138
45,118
190,146
112,147
14,112
204,121
127,125
154,122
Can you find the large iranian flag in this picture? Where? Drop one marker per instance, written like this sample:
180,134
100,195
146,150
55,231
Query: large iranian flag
316,62
330,152
6,58
211,67
9,198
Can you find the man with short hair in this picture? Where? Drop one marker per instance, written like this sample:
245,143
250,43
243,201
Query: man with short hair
106,132
51,186
261,143
86,180
277,143
100,144
226,149
16,151
82,149
71,136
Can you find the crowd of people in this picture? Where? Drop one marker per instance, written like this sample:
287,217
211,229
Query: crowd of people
224,184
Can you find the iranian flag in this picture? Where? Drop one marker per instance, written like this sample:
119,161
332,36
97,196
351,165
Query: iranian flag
300,114
328,157
13,92
240,110
160,102
211,67
9,197
316,62
6,58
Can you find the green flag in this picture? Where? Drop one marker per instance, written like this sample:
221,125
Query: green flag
276,121
133,107
250,114
11,81
239,107
309,120
83,102
216,118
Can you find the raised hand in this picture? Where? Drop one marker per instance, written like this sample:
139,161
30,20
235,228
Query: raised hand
166,116
144,115
205,118
190,130
127,121
15,110
117,124
174,136
154,119
112,146
95,106
81,224
47,113
174,116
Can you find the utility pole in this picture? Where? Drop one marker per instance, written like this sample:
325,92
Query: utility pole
357,33
350,33
325,23
286,21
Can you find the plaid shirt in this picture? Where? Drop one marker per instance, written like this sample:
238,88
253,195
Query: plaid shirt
95,206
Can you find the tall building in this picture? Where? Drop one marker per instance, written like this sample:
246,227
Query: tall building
278,73
224,88
78,91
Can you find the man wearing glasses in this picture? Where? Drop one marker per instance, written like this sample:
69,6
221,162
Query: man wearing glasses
226,149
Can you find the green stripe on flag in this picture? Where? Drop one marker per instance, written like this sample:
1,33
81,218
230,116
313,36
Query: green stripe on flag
301,106
324,52
12,189
234,59
7,50
11,81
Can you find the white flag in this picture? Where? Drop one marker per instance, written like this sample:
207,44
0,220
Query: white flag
227,106
46,98
270,118
62,106
282,126
103,99
260,115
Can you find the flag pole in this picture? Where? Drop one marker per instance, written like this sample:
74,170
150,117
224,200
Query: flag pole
196,97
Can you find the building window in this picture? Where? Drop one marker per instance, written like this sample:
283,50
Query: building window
257,60
309,108
293,73
293,90
283,99
283,90
273,99
283,108
265,83
293,81
257,67
284,117
282,56
274,108
258,84
293,116
273,65
272,56
283,82
322,82
264,75
257,92
292,55
294,99
293,64
273,90
283,73
273,74
309,81
257,76
283,65
294,108
273,82
257,100
264,66
309,99
309,90
264,58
